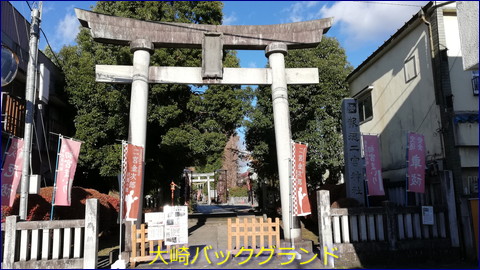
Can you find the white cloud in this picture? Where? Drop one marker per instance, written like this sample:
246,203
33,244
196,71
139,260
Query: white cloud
67,30
301,11
252,64
46,8
362,22
229,20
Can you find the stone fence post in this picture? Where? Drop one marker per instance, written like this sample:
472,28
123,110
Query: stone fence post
325,226
391,224
446,182
90,255
10,242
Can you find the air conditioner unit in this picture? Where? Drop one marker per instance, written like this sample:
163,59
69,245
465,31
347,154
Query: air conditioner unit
44,83
34,184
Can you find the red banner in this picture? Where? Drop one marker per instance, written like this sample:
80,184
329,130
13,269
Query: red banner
12,171
373,165
132,179
301,204
416,163
67,164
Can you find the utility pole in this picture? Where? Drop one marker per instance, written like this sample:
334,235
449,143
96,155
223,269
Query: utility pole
29,98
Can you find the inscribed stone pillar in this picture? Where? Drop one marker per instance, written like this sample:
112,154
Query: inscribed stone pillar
354,180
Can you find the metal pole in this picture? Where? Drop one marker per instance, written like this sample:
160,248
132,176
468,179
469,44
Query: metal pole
276,56
120,214
406,175
29,98
208,190
55,177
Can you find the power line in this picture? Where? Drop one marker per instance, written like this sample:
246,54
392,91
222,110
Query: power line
51,49
388,3
28,4
48,43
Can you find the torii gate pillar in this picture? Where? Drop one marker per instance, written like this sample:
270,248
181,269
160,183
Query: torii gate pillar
137,127
281,117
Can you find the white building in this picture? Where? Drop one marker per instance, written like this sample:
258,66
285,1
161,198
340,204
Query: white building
415,82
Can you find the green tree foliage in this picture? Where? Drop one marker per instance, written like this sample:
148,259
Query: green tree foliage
185,127
315,115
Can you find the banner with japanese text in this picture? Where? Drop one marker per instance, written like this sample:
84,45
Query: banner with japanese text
67,164
12,171
373,165
132,180
301,204
416,163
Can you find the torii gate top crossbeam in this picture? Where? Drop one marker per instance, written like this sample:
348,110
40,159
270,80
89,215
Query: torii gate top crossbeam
121,31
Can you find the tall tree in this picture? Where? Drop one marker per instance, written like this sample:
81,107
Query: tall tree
315,115
185,127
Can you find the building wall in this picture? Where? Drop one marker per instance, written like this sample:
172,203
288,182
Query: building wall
468,23
461,81
403,100
466,134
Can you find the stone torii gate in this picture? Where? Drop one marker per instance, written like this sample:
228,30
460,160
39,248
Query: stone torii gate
144,36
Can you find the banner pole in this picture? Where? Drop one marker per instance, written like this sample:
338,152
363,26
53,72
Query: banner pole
6,150
406,175
121,201
70,138
292,241
366,187
297,255
364,165
55,177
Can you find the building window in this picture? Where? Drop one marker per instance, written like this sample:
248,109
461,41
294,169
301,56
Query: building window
364,101
475,82
365,109
410,69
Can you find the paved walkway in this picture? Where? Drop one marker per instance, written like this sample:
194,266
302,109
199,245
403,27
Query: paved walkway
208,235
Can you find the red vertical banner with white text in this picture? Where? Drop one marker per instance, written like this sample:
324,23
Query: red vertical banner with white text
416,163
12,171
132,180
301,204
67,164
373,165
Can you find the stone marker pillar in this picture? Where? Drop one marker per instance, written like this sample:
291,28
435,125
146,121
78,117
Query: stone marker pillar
354,179
137,131
281,115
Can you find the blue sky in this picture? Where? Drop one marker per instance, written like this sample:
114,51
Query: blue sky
360,26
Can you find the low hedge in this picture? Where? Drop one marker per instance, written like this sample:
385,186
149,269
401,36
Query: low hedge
238,192
39,206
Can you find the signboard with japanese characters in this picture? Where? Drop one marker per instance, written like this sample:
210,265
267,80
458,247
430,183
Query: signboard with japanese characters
156,225
373,165
12,171
301,204
132,179
67,164
354,179
416,163
176,225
